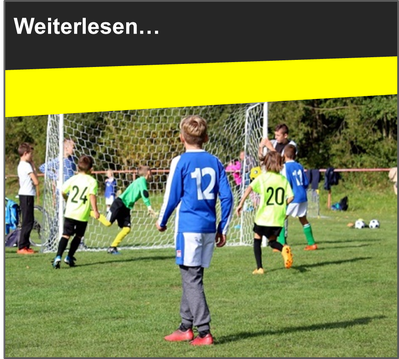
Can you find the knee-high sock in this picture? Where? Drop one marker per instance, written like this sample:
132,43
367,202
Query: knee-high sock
258,252
122,234
307,229
62,245
102,219
276,245
74,246
281,237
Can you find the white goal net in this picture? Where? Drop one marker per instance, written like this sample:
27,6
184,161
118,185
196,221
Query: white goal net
123,140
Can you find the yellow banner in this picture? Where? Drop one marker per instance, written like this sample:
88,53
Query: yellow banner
95,89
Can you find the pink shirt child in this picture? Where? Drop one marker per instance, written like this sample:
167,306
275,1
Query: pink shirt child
235,168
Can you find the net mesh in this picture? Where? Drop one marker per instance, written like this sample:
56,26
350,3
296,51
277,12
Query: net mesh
123,140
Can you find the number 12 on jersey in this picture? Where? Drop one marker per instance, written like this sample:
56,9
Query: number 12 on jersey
198,174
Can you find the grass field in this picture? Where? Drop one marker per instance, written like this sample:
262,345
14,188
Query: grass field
339,301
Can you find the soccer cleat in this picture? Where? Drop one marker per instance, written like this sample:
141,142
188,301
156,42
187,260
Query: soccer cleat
259,271
206,340
312,247
70,261
112,250
275,250
56,262
287,255
180,336
25,251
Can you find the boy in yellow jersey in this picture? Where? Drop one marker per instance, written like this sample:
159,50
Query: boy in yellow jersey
122,205
80,192
275,194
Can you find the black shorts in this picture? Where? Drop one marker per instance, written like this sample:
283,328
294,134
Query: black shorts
74,227
267,231
120,213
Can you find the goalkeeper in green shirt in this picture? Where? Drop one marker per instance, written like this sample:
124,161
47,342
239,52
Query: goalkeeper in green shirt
122,205
275,194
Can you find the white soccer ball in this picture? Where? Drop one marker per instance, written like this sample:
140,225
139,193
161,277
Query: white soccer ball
359,224
374,224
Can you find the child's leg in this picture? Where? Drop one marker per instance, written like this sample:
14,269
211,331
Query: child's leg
275,244
74,246
62,244
258,250
194,308
285,251
26,205
307,230
282,238
122,234
123,219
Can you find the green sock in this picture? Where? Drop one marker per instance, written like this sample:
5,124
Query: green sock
307,229
281,237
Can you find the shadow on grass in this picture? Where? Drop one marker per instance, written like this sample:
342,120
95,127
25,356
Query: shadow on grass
343,246
304,267
120,259
306,328
347,241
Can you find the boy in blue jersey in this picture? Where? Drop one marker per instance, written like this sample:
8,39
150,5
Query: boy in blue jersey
110,189
195,180
299,182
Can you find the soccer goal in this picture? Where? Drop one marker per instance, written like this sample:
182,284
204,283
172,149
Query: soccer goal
123,140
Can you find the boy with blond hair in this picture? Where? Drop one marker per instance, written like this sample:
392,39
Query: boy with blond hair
80,192
275,193
195,180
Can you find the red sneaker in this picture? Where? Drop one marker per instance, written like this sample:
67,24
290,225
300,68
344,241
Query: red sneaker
25,251
179,336
206,340
313,247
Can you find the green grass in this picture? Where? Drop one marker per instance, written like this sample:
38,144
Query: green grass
339,301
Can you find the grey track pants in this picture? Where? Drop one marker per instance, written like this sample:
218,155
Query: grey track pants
194,310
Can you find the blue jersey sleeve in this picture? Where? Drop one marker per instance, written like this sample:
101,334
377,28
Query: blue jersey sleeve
50,169
173,193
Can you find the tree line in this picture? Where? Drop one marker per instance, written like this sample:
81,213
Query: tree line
359,132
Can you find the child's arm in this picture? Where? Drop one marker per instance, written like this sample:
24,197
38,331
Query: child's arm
48,168
93,202
64,196
220,239
35,180
289,200
244,197
172,197
146,198
265,142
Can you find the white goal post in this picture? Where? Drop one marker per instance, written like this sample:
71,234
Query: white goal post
123,140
